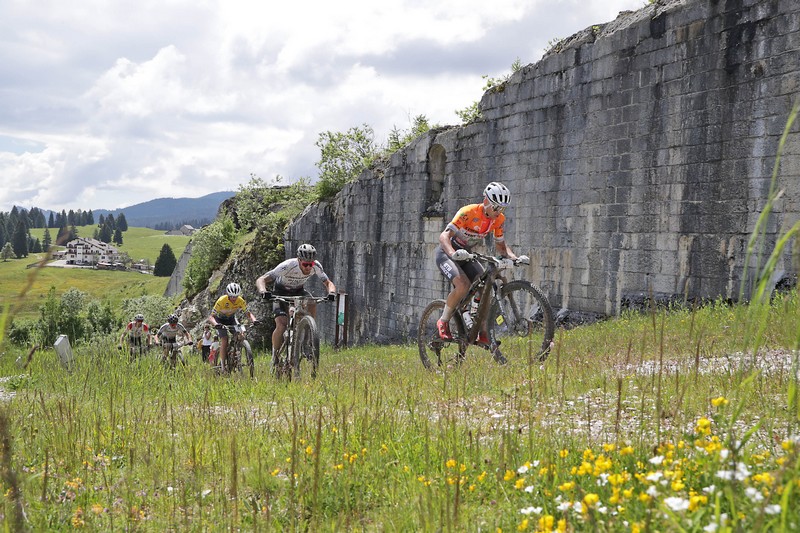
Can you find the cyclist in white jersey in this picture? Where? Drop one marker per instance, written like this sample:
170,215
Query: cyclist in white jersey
289,279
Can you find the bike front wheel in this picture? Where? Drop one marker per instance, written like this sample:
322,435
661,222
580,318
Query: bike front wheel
307,346
433,351
249,355
522,317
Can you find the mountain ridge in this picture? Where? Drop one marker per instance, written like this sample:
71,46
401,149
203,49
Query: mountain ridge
170,211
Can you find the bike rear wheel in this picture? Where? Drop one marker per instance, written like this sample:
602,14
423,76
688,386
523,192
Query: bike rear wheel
523,317
307,346
433,351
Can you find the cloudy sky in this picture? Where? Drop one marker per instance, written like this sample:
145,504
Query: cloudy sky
105,104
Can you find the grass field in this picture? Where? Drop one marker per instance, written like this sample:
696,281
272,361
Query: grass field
103,285
661,422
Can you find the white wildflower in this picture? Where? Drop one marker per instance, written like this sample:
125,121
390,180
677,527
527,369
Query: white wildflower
676,504
773,509
754,494
657,460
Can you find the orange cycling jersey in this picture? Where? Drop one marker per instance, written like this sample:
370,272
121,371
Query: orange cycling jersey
471,225
227,308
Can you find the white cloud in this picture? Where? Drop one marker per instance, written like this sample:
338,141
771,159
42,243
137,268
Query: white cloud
105,104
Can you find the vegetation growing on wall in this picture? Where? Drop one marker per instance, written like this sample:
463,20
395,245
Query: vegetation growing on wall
472,112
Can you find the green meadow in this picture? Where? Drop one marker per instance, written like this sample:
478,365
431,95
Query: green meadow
676,420
113,286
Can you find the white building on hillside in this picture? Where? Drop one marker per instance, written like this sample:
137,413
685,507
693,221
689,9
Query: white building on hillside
84,251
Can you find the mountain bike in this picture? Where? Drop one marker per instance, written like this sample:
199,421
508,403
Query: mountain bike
300,340
237,345
137,348
515,311
174,354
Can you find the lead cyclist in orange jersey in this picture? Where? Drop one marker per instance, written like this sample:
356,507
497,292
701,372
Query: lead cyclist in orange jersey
471,224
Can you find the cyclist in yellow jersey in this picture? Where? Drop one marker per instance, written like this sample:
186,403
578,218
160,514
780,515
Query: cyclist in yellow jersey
224,314
469,227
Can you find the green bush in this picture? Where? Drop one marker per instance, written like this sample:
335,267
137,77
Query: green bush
210,247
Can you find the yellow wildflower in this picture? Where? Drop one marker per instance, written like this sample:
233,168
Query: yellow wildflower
562,526
696,501
563,454
309,450
520,484
609,447
509,475
451,463
523,525
546,523
703,426
591,499
97,508
569,485
716,402
627,450
77,518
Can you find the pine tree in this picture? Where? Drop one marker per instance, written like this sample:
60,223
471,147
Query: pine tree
19,241
166,262
51,223
118,236
89,218
8,252
47,240
122,224
105,234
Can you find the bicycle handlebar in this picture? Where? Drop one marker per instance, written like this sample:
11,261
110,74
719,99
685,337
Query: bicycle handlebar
295,299
496,261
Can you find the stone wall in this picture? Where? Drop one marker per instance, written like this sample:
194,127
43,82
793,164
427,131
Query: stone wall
639,154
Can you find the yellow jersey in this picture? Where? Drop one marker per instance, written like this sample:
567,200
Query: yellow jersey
225,307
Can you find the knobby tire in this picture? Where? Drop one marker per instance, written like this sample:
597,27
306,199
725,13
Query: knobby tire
528,316
433,351
306,346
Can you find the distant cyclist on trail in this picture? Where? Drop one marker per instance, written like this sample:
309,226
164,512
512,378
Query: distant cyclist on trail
137,333
471,224
224,314
289,279
168,333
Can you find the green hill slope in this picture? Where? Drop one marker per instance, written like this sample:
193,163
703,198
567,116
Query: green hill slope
114,286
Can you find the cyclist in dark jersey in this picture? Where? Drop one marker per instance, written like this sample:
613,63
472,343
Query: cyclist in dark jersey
289,279
471,224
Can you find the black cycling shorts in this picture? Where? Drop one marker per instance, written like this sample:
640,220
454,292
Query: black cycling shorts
282,308
451,269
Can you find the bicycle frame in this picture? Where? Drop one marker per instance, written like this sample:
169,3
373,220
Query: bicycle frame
489,284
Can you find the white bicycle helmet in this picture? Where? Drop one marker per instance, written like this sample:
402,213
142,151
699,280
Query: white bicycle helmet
233,290
306,252
498,194
139,316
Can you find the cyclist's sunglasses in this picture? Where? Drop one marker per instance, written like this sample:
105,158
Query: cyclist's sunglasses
497,208
307,263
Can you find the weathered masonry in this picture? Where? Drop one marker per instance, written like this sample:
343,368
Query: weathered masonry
639,154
